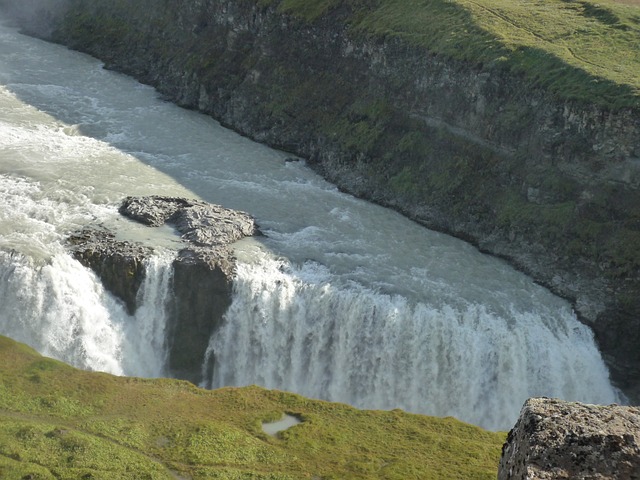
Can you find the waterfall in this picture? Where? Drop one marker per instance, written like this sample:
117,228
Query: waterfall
147,333
61,309
290,328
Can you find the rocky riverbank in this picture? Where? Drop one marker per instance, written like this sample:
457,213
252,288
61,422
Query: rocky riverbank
550,183
202,270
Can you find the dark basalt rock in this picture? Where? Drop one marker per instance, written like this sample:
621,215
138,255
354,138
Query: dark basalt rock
200,223
119,264
554,439
202,289
203,269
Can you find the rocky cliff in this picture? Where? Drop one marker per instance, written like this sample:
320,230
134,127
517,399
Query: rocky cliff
554,439
546,179
202,270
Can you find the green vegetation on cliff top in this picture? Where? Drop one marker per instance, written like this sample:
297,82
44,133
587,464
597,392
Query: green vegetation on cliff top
60,422
579,49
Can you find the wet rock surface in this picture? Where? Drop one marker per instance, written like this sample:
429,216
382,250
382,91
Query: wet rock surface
202,271
200,223
554,439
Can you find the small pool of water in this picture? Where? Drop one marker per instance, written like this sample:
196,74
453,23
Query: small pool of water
286,422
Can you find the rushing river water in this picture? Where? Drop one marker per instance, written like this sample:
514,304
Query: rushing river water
342,300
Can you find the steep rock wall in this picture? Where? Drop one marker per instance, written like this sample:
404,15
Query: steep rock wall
470,149
119,264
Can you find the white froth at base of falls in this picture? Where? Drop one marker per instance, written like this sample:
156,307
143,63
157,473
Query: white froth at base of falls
290,329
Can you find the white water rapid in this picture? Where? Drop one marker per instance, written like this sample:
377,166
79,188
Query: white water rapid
342,300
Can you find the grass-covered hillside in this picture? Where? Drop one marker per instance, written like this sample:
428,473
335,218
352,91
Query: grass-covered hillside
57,422
581,49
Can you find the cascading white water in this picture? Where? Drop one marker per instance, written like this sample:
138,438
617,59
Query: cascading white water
57,306
147,334
368,308
61,309
290,328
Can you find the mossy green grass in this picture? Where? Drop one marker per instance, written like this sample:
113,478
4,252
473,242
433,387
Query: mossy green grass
63,423
583,50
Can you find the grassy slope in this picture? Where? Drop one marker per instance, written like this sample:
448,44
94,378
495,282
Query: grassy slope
59,422
579,49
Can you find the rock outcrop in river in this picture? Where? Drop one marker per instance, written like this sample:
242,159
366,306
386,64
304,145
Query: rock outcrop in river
203,269
474,149
554,439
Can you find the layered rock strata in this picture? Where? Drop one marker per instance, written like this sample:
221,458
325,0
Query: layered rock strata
549,183
202,270
554,439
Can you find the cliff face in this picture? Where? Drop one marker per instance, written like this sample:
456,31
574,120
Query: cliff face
467,148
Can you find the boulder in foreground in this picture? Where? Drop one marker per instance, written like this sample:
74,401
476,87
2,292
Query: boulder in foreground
554,439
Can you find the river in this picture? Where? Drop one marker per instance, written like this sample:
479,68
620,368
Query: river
341,300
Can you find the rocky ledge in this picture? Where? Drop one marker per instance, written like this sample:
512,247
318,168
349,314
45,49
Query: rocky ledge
202,271
201,224
554,439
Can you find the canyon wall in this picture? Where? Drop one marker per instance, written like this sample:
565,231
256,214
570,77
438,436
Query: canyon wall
469,148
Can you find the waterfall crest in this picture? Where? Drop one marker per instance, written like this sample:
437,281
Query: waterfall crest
290,328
